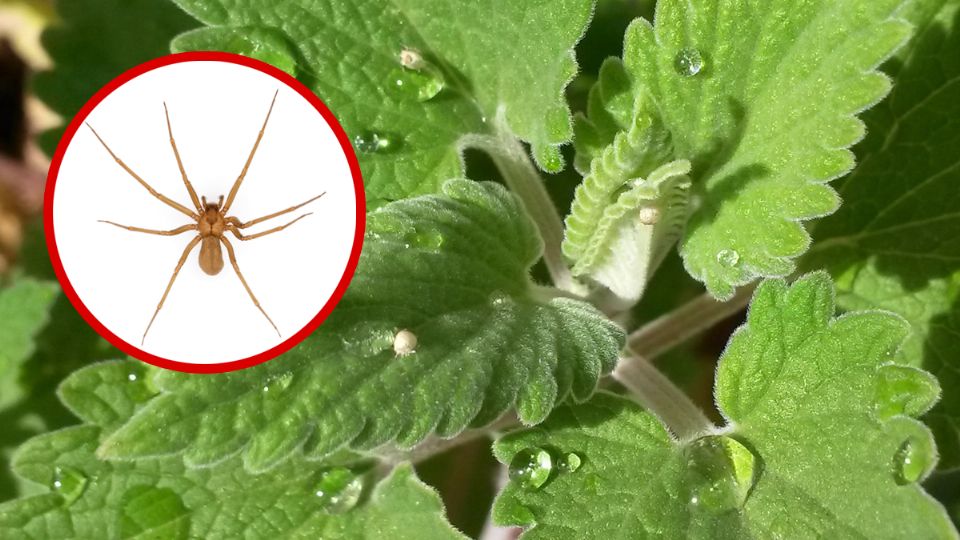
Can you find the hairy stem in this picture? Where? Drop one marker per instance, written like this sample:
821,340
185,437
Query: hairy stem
520,175
492,531
685,322
661,397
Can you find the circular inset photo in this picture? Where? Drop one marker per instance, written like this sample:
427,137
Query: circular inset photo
204,212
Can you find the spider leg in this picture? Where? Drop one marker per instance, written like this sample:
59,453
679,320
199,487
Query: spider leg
193,243
244,224
236,268
183,172
166,200
232,228
171,232
243,173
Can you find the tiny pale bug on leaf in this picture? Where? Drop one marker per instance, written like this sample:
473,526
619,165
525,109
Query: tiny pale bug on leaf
404,343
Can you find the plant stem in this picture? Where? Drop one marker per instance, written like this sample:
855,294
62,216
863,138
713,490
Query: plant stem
681,324
524,180
661,397
491,531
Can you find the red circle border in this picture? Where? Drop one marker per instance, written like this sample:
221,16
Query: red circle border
204,56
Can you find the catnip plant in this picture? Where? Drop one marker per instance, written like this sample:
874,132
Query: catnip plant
568,201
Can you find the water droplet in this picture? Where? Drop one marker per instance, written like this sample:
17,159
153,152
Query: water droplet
649,215
368,338
338,490
427,239
912,461
416,78
421,85
531,467
371,142
69,482
404,343
152,512
570,462
131,377
688,62
279,383
264,45
390,224
721,472
728,257
499,298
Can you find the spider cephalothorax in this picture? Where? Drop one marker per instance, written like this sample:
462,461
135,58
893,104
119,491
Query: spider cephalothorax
209,220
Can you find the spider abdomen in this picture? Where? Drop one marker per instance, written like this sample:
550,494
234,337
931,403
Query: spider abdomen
211,258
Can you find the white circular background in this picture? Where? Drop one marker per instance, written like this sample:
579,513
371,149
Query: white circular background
216,110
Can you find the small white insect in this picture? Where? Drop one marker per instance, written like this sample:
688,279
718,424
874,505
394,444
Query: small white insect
404,343
411,59
649,215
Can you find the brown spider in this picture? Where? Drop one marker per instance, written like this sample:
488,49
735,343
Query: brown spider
211,220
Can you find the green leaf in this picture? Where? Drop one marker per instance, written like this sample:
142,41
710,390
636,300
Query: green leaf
503,67
24,310
453,270
161,498
633,203
94,42
760,97
805,455
894,243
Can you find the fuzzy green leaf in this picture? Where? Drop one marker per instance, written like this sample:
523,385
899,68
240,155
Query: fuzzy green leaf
508,61
633,203
894,243
24,310
760,96
453,270
93,42
808,453
162,498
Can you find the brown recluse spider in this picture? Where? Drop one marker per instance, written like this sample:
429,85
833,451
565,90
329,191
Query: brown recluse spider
210,220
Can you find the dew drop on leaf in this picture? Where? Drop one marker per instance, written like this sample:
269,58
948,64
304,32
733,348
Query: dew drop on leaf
152,512
69,483
276,385
371,142
426,239
688,62
912,461
499,298
388,223
265,47
338,490
570,462
531,468
728,257
368,338
721,472
404,343
416,78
